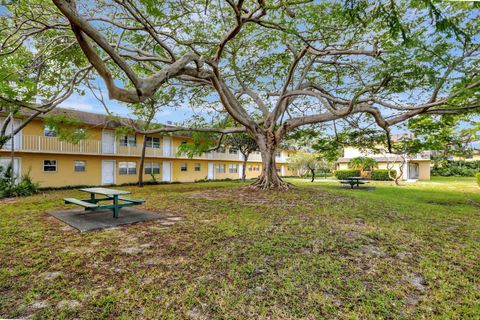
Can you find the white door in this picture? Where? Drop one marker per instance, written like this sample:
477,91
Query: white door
108,171
108,142
282,171
167,146
167,171
413,171
17,169
211,171
240,170
17,138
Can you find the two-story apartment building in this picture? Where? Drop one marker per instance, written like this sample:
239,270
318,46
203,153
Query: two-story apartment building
105,158
416,167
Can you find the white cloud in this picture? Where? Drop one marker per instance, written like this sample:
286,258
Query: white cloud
81,103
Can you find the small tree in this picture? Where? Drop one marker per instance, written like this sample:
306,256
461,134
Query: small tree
245,144
308,162
363,164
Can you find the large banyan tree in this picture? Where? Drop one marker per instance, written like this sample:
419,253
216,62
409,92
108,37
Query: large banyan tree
275,66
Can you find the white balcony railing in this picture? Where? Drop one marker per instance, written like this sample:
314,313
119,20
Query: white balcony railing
33,143
53,144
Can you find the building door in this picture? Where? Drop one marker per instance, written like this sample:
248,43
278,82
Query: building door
108,142
167,146
17,139
167,171
413,171
240,170
5,162
211,171
108,171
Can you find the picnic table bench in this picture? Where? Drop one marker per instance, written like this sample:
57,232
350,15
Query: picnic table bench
352,181
112,195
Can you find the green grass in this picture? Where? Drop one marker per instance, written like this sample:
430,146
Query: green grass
317,251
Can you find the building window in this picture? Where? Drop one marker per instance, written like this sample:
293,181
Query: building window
153,142
232,168
221,150
232,151
128,141
49,165
152,168
198,166
183,166
278,154
127,168
250,168
49,131
220,168
278,169
79,166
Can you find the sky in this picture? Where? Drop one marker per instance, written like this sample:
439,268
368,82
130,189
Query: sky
89,103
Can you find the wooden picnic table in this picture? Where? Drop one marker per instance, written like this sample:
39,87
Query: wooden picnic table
110,195
352,181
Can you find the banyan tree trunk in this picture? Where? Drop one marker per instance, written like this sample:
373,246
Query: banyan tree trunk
269,178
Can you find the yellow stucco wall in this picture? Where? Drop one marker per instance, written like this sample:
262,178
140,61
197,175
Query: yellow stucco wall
190,174
423,168
32,162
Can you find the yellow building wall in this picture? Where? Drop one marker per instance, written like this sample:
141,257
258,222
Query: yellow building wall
250,174
65,175
424,170
190,175
32,163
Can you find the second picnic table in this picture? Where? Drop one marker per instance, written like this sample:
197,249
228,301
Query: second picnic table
111,195
352,181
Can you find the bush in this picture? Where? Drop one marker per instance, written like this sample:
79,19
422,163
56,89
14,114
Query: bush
345,174
10,187
457,168
382,175
478,179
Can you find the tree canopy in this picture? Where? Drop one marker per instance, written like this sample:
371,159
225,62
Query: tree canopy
275,66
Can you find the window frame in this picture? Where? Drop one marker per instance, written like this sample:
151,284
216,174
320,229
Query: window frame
233,168
183,167
50,165
125,140
131,168
218,166
150,142
198,167
52,131
150,166
75,166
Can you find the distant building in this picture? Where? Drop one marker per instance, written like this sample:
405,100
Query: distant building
417,166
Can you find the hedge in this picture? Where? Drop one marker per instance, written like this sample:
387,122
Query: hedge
457,168
478,178
382,174
345,174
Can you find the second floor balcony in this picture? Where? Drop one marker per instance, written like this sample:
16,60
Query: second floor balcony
44,144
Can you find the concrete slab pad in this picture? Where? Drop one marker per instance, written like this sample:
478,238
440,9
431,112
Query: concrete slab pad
102,219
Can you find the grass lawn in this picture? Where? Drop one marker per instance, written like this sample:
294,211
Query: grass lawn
315,252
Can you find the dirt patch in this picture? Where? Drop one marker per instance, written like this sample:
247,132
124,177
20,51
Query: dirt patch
247,196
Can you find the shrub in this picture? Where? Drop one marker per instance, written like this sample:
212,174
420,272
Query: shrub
478,179
345,174
382,175
457,168
11,187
